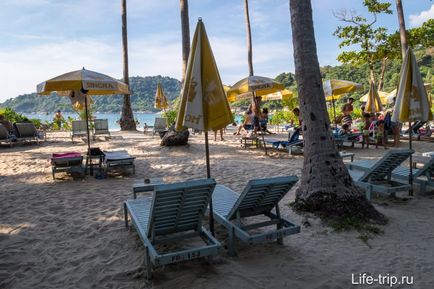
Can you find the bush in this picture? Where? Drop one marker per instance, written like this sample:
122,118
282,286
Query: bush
171,115
12,116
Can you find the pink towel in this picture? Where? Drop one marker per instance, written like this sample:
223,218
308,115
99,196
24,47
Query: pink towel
66,155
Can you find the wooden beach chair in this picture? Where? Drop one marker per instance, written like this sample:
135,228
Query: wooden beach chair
26,131
79,129
101,127
422,176
258,198
5,136
174,214
378,178
160,125
70,162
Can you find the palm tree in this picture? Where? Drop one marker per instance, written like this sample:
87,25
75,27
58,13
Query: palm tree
326,187
402,31
127,118
249,37
185,28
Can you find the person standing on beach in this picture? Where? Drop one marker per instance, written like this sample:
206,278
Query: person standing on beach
58,119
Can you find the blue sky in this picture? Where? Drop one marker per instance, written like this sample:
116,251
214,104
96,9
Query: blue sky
41,39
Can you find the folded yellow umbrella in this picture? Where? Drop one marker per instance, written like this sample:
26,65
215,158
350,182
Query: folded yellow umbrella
382,94
160,98
374,102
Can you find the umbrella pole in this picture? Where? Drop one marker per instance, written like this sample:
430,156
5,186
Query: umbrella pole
208,175
410,177
88,139
334,112
87,124
260,128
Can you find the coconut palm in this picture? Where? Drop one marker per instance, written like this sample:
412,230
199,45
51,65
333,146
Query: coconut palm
127,118
402,31
185,28
249,37
326,186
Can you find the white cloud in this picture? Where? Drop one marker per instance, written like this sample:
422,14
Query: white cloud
417,20
22,69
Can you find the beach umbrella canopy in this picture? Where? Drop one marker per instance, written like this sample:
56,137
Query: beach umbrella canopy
203,100
82,83
258,84
160,98
335,88
411,102
393,93
382,94
93,83
278,95
374,102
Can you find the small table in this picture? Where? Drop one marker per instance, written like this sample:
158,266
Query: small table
140,185
347,155
93,161
245,141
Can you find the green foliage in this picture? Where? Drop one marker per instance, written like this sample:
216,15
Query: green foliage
362,33
287,79
283,117
12,116
367,231
171,115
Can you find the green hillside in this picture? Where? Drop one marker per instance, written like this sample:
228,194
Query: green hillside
142,97
143,88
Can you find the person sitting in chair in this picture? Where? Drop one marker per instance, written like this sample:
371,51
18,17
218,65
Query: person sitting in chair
248,121
263,121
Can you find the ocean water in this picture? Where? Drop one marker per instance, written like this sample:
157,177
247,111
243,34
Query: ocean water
112,118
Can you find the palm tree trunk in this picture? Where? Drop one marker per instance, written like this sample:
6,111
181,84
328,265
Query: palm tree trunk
185,28
402,31
326,187
127,118
249,37
383,71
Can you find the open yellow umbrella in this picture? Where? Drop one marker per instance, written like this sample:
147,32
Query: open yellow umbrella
160,98
258,84
86,82
279,95
411,102
203,100
374,102
335,88
382,94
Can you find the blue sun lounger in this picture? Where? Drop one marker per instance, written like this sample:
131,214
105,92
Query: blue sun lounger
259,197
423,177
174,213
378,178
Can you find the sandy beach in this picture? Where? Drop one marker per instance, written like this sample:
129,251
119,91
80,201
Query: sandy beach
70,233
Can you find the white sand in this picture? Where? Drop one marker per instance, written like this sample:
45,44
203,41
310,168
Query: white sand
70,233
